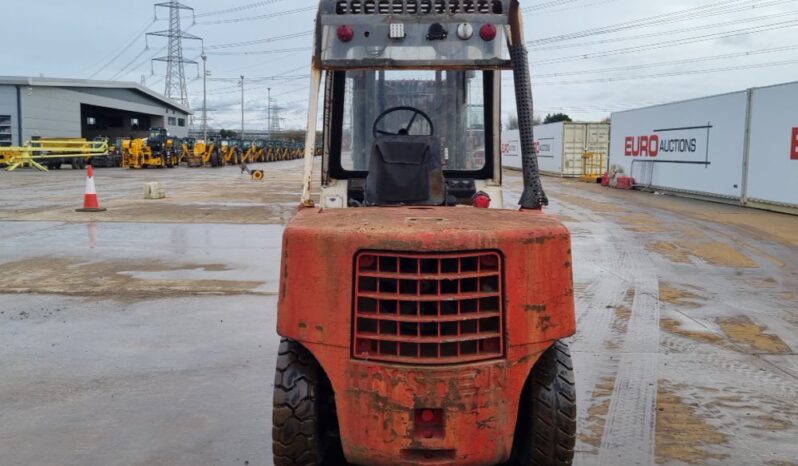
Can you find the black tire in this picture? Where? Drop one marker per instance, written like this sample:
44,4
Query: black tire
545,433
304,425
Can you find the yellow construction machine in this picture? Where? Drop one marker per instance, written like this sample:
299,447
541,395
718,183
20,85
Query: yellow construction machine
52,152
254,151
231,150
205,154
157,150
186,150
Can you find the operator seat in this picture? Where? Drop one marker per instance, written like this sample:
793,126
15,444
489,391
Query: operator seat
404,170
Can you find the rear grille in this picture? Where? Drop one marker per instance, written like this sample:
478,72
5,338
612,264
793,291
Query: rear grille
414,7
428,308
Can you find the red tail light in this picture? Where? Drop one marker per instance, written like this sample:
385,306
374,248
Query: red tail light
487,32
345,33
481,200
428,423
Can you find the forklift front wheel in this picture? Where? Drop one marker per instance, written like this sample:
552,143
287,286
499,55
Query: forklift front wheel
545,433
304,425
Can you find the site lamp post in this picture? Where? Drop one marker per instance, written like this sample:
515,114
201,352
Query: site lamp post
242,107
205,74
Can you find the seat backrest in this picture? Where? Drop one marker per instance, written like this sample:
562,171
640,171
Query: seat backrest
404,170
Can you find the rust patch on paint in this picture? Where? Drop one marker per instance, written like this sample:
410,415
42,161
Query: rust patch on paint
535,307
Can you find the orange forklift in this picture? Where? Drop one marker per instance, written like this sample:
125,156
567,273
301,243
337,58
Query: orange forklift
422,321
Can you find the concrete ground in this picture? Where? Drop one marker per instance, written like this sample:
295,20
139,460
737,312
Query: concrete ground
145,335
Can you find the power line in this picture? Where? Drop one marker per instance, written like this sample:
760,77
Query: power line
125,47
544,5
280,76
124,68
666,33
259,41
669,75
713,9
143,62
259,17
264,52
666,63
725,7
547,11
670,43
239,8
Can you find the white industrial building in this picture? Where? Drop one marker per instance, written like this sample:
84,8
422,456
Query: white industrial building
77,108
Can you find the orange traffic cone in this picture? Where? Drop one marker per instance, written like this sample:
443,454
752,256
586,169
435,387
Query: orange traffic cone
90,201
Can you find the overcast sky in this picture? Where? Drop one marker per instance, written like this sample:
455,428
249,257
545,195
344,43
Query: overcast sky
616,54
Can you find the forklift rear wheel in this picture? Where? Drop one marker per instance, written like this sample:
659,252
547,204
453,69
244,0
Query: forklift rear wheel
546,430
304,425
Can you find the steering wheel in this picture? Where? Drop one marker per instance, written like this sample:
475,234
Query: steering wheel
403,131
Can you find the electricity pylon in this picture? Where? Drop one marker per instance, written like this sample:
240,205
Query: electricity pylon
175,88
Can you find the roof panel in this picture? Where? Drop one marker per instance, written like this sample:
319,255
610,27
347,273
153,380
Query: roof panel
87,83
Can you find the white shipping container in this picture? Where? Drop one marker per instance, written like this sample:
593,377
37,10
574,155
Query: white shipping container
773,149
560,147
695,146
511,149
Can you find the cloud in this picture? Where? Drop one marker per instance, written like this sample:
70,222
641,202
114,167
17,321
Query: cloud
66,44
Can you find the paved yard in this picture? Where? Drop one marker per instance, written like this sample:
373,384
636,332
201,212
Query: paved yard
145,335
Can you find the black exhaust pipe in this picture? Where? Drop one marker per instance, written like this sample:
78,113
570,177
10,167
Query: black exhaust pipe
533,196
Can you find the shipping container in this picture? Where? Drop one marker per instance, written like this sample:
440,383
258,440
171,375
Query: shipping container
772,176
740,147
695,146
561,147
511,149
